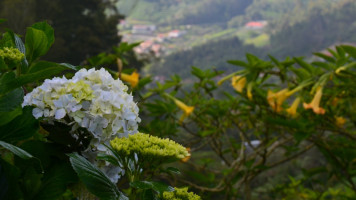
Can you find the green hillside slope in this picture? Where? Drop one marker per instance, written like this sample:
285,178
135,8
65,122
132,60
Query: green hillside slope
319,29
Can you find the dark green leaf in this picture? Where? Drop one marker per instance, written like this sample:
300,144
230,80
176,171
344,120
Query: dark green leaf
16,150
350,50
3,66
143,185
206,132
10,105
108,158
300,136
11,100
20,45
12,188
6,117
173,170
304,65
156,186
162,187
5,82
55,182
94,179
148,195
69,66
20,128
301,73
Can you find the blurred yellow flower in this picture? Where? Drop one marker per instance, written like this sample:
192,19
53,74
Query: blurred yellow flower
187,157
187,110
275,100
292,110
238,82
249,91
133,79
314,104
340,121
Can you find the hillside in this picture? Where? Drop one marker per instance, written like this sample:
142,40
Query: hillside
218,30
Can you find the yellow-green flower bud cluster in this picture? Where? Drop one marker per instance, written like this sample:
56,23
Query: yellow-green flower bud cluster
180,194
11,53
149,147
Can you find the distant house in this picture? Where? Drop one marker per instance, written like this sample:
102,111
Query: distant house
255,24
176,33
143,29
149,46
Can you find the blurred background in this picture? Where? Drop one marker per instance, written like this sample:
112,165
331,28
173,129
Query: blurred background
178,34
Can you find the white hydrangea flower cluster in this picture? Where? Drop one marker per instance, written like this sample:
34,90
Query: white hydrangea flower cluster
91,99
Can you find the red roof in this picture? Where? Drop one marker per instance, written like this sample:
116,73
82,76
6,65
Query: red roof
254,24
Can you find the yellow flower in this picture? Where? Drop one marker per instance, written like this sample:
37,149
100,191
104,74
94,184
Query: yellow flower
340,121
292,110
314,104
186,109
275,100
132,79
249,91
238,83
187,157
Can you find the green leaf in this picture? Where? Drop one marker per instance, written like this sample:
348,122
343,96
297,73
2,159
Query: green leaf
20,128
94,179
11,100
47,29
3,66
108,158
36,44
10,105
20,45
5,82
6,117
206,132
173,170
238,63
325,57
301,73
148,195
143,185
156,186
252,59
350,50
11,175
16,150
304,65
38,71
198,72
55,182
2,20
69,66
